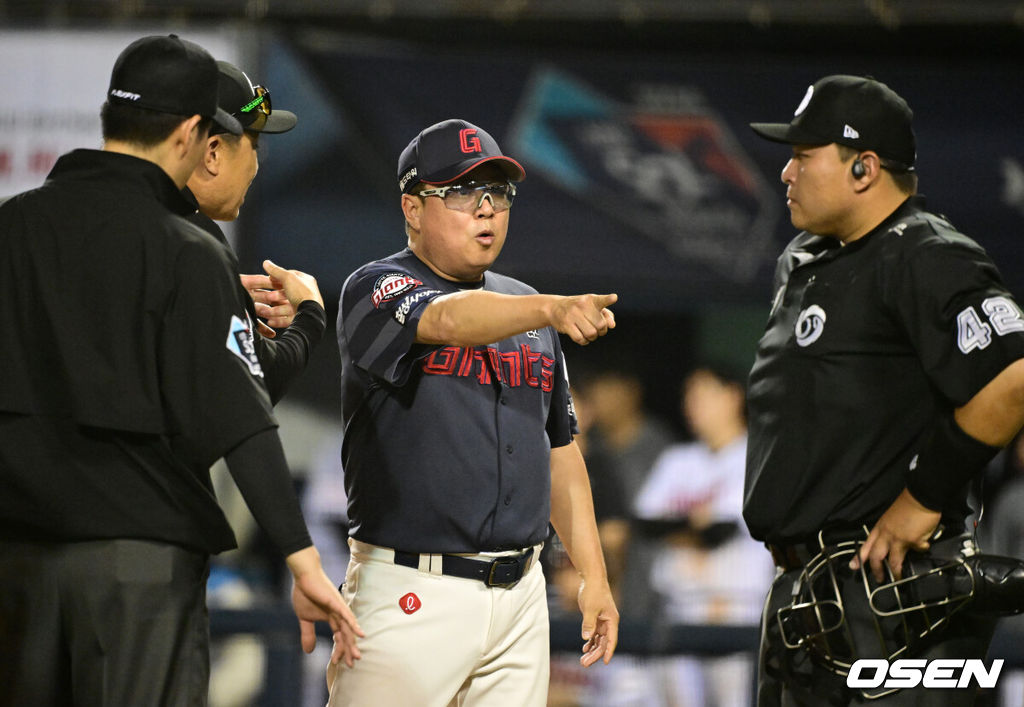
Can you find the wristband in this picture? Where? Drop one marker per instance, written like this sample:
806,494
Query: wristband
948,460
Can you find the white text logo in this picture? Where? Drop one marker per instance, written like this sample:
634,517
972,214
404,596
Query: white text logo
118,93
911,672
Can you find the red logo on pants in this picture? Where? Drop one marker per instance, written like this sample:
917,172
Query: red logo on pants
410,603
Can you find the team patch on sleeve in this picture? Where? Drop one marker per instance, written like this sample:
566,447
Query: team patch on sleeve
240,343
391,286
405,306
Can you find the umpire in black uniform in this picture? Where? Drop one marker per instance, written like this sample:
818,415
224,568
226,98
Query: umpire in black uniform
889,373
288,299
132,370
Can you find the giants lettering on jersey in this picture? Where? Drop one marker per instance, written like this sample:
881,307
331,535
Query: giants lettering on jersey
391,286
513,368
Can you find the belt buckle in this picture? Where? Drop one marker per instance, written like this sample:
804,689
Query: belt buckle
503,562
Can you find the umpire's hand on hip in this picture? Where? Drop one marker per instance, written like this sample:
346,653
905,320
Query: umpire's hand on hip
906,525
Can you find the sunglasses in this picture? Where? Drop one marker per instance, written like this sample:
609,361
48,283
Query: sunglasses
261,104
469,196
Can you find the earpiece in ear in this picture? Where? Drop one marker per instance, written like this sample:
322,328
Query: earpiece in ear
857,169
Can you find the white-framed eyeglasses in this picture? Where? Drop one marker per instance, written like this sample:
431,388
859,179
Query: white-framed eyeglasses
469,196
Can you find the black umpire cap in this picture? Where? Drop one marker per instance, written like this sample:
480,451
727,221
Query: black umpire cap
249,103
169,75
855,111
447,150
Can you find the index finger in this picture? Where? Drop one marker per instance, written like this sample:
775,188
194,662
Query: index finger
613,641
593,650
861,556
877,559
609,318
896,556
255,282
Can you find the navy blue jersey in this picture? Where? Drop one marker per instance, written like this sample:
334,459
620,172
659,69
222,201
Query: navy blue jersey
865,346
447,448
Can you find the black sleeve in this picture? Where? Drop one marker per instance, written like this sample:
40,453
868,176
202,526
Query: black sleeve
961,318
285,356
211,381
259,469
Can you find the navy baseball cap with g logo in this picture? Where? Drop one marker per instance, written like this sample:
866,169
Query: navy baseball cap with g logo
169,75
447,150
855,111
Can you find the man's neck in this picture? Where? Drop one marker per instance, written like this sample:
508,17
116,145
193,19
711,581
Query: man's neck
873,214
160,155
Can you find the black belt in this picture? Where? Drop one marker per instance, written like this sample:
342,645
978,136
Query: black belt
796,555
791,557
504,571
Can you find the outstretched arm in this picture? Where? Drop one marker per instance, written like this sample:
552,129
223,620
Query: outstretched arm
572,515
478,317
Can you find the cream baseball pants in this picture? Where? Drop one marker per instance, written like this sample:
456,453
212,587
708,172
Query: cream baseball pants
435,640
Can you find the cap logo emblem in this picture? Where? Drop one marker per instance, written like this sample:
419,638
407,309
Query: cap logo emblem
118,93
468,141
807,99
850,132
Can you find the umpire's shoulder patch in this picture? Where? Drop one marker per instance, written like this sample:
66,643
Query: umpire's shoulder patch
241,344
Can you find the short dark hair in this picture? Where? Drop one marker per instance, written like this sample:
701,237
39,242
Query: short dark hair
905,179
141,126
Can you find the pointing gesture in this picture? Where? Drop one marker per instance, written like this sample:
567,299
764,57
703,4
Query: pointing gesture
584,318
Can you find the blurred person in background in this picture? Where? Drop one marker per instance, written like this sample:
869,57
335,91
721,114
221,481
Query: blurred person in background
708,569
623,442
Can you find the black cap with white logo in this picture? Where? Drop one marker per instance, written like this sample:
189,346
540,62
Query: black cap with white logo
169,75
447,150
855,111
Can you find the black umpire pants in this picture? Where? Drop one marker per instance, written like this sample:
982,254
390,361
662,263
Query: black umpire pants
788,678
108,623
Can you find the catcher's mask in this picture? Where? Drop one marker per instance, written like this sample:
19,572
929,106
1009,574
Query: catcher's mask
839,615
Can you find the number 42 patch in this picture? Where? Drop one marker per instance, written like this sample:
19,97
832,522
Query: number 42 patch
972,332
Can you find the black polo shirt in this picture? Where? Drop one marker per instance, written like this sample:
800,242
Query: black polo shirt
865,346
130,367
446,449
